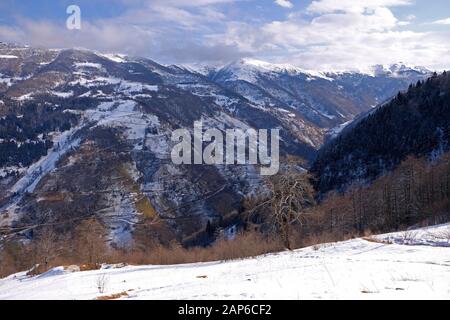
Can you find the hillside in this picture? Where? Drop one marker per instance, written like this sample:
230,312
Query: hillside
415,123
326,99
85,134
405,265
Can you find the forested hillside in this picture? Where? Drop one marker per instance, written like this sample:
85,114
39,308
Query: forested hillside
416,122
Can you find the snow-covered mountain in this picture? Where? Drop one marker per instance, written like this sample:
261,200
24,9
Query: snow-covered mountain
325,99
85,133
404,265
399,70
250,69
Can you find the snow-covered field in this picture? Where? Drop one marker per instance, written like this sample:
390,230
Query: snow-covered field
395,266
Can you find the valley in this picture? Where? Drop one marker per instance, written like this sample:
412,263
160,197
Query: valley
124,109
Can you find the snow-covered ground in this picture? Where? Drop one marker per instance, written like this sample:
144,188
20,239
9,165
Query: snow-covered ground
355,269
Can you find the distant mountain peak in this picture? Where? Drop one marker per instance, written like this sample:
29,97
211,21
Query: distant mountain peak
247,69
397,70
200,68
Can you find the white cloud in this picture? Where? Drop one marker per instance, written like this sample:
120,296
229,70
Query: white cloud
359,6
284,3
330,34
443,21
168,31
342,35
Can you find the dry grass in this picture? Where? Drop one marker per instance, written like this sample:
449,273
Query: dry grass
244,246
90,266
142,203
55,197
113,296
72,268
144,206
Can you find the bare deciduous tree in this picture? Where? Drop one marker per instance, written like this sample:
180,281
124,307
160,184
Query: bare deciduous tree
291,194
91,244
46,248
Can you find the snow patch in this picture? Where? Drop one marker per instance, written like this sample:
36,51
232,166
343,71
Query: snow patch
124,114
63,142
7,56
119,58
62,94
88,65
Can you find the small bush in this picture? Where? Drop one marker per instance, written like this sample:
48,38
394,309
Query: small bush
102,282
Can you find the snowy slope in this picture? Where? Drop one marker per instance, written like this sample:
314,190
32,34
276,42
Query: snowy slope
355,269
249,69
131,105
292,88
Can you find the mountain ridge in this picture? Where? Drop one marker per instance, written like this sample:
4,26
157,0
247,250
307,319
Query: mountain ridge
104,123
263,65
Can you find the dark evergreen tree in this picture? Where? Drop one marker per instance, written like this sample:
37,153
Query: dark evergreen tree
414,123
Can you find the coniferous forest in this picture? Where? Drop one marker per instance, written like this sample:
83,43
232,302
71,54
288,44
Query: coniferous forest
416,123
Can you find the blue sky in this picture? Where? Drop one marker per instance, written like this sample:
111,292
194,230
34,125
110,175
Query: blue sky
320,34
